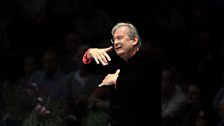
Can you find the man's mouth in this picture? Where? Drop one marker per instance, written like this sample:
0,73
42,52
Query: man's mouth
117,48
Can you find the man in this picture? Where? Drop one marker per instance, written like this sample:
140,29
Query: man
50,80
134,78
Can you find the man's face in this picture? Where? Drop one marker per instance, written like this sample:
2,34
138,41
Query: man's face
123,45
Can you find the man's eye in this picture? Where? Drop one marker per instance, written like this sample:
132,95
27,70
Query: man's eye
119,38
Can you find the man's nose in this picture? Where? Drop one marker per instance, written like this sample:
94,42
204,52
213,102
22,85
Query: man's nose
116,41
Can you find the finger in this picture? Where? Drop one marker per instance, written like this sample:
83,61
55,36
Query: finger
101,60
108,76
108,49
100,85
107,56
96,60
104,84
117,72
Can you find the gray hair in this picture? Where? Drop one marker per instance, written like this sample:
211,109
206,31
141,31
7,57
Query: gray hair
132,31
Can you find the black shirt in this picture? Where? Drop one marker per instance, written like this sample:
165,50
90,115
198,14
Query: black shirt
136,100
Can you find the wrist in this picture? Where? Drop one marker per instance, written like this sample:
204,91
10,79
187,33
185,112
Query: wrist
87,58
88,55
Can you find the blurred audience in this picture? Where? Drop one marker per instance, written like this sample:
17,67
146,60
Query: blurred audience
79,85
50,80
30,66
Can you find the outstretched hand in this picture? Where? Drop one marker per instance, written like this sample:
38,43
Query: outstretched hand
100,55
110,79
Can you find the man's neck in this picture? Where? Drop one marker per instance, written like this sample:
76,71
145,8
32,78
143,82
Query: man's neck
133,52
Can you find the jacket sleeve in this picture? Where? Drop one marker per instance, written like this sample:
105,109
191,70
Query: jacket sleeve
85,59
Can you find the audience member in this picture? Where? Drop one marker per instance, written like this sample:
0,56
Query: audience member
50,80
29,67
173,98
79,85
67,63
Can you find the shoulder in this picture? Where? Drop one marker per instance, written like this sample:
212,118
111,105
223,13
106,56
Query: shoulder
147,58
39,73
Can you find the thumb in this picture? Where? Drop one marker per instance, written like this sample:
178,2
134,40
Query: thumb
108,49
117,72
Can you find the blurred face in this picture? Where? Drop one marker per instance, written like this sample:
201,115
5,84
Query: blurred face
78,56
29,65
147,47
200,120
123,45
50,63
193,94
72,41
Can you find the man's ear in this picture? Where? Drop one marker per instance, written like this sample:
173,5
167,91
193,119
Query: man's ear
135,41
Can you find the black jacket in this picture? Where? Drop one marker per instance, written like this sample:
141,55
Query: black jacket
136,100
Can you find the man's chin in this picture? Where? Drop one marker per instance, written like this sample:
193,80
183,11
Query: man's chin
119,53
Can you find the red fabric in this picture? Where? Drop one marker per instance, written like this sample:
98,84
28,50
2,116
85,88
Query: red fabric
85,59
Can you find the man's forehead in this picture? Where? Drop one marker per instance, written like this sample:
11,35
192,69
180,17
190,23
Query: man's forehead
121,30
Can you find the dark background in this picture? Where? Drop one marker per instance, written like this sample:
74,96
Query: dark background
28,27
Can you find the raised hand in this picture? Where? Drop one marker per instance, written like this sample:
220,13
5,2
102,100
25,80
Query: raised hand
100,55
110,79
